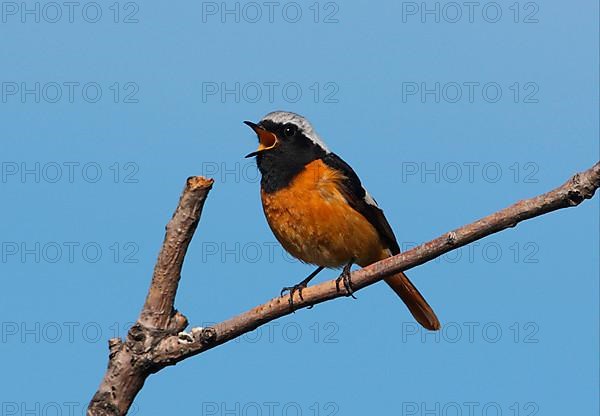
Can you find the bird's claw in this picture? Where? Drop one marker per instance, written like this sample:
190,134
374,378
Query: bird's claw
345,277
292,289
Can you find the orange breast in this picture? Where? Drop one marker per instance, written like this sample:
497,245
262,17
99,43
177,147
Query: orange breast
314,223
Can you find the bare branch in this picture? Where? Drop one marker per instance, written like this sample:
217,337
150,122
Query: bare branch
130,362
572,193
153,347
159,307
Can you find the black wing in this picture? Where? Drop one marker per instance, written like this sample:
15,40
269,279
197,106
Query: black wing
357,198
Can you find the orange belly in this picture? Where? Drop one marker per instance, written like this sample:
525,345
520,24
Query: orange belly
313,221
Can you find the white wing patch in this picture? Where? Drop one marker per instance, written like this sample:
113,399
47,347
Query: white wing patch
369,199
302,123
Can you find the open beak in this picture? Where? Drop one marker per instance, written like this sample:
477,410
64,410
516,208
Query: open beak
266,139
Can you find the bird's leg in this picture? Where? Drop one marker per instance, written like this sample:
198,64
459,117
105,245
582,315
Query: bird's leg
345,277
298,287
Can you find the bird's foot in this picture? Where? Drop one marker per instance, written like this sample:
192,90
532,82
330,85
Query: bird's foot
345,277
299,287
292,289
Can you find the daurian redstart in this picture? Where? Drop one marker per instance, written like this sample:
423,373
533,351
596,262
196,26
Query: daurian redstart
319,211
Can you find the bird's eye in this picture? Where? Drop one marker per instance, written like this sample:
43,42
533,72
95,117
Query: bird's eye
289,130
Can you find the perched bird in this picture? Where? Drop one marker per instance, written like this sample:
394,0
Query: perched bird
319,211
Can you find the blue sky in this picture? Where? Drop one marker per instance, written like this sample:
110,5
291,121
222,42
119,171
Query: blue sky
447,114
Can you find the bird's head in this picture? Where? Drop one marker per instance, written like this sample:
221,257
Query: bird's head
286,134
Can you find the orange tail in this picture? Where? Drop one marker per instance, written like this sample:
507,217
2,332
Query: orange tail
416,303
